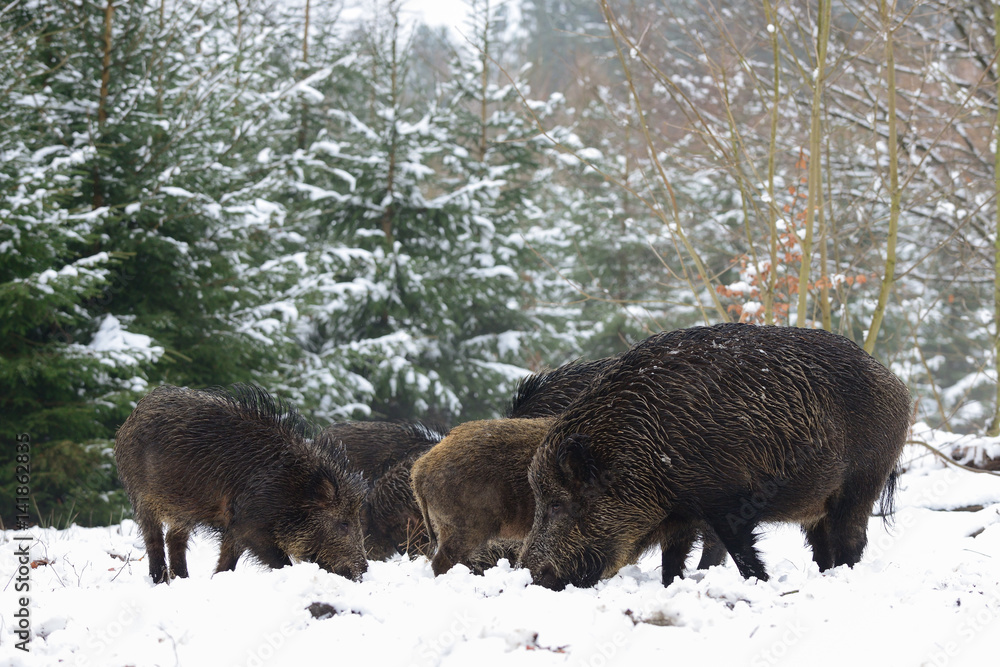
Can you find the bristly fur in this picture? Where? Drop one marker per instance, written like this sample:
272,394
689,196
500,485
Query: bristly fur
887,501
489,554
261,404
549,392
426,433
338,469
473,486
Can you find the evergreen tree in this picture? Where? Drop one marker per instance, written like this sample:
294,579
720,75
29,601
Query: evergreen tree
408,301
67,368
127,221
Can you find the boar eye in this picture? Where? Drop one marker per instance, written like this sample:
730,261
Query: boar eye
344,527
556,510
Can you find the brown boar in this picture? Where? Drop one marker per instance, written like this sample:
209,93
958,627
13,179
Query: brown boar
384,452
730,426
238,463
473,486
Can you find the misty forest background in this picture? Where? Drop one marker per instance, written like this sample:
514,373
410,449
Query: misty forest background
382,220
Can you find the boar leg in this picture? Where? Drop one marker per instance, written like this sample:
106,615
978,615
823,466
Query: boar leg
456,546
839,538
738,537
272,556
818,536
177,540
229,552
152,534
713,551
676,538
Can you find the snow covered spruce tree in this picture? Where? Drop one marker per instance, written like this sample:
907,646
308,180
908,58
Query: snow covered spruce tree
126,218
407,298
67,367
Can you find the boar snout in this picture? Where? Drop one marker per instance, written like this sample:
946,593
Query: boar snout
353,571
547,578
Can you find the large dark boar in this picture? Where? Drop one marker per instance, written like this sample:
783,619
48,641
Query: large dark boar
549,393
473,486
238,463
384,452
730,426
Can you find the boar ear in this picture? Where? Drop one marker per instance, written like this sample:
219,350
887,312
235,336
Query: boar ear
575,460
580,467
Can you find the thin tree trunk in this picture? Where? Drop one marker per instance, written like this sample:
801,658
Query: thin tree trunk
994,428
159,72
772,206
815,163
895,195
387,215
485,59
675,228
826,316
744,206
102,104
304,122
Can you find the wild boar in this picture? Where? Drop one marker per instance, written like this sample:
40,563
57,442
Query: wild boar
730,426
473,486
240,464
384,452
549,393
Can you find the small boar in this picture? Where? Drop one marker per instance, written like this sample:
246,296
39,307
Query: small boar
473,486
730,426
384,452
238,463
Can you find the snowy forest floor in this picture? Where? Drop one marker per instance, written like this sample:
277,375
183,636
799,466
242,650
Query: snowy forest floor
926,593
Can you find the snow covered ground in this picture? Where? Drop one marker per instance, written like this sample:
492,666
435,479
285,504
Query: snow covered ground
926,593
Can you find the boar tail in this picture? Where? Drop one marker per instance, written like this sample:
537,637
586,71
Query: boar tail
887,502
431,537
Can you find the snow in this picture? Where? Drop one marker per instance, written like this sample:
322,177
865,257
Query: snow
180,193
740,287
121,347
927,592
